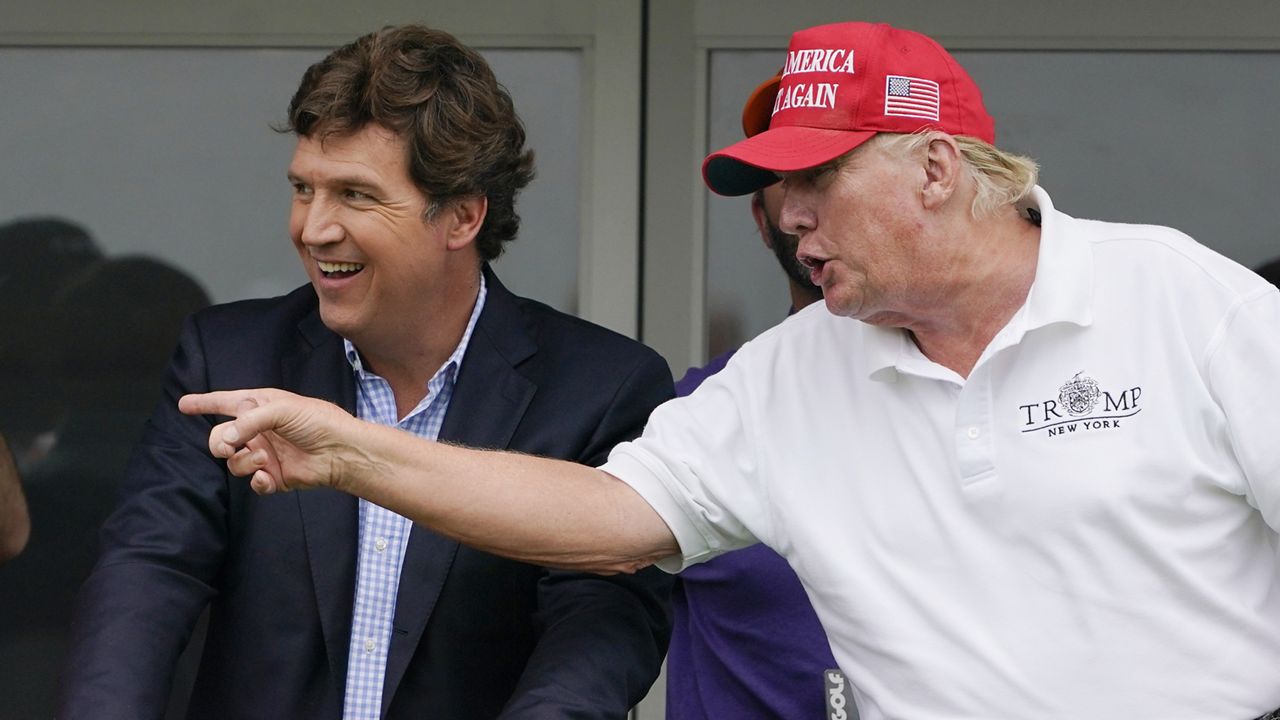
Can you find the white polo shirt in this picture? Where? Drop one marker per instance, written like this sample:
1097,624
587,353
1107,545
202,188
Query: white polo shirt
1083,528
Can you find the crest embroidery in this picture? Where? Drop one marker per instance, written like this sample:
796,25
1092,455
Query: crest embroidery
1079,394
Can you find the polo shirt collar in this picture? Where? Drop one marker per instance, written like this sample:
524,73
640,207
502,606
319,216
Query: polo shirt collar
1061,292
1063,289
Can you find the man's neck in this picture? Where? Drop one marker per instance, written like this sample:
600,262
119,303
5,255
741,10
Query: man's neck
995,284
411,355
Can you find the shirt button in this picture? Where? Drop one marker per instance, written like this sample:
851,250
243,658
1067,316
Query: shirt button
380,544
974,432
369,645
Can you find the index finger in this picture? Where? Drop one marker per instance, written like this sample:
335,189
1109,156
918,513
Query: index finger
221,402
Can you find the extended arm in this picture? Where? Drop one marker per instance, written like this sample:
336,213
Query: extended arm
549,512
15,523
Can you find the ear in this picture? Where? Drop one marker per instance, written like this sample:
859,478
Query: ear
943,168
464,216
761,218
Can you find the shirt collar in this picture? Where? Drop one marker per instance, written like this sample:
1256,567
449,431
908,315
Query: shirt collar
1063,288
1061,292
454,360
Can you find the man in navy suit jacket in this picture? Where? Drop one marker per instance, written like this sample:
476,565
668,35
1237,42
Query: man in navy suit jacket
408,161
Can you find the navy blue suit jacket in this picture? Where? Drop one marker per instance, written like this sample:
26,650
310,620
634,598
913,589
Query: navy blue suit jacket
474,635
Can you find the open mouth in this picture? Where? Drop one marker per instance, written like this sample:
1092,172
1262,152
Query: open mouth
814,266
339,269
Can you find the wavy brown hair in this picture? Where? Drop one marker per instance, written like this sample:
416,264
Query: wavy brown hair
463,136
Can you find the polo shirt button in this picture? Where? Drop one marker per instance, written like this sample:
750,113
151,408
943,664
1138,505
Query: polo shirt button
380,544
974,432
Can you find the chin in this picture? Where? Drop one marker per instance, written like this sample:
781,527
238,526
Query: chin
342,323
837,305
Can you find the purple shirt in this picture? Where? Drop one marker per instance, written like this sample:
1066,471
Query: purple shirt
746,642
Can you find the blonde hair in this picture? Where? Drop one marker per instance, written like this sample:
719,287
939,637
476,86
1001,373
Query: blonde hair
1002,178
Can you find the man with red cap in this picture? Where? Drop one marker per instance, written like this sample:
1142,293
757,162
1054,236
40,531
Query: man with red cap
1038,479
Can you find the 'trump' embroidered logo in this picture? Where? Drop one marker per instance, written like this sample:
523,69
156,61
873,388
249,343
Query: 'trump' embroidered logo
1079,394
1077,408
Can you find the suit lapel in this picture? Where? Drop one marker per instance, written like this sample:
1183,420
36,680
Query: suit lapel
489,399
330,518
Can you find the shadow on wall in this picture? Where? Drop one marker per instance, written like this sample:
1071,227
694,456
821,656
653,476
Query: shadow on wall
87,339
36,258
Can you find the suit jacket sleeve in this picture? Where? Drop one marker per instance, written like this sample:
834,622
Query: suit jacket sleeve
602,637
161,550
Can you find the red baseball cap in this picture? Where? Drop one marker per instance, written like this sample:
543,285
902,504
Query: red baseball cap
841,85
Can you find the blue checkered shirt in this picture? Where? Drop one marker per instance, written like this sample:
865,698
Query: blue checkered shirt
384,534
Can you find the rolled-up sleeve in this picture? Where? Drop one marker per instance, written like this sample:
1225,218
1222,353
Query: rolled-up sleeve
696,464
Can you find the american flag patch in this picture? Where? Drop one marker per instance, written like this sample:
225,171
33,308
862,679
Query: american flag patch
911,97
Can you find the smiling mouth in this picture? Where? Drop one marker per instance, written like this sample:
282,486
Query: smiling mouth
339,269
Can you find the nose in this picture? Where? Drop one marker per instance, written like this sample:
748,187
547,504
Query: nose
317,222
796,216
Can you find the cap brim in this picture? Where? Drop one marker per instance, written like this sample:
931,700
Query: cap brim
751,164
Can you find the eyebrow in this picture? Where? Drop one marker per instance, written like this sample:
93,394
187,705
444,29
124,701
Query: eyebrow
350,181
834,164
